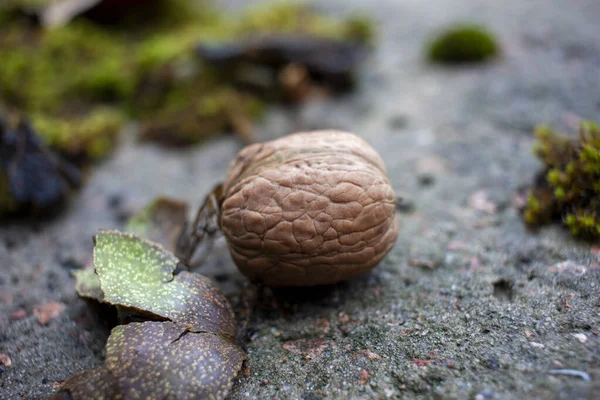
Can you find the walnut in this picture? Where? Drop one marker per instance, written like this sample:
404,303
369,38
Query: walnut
307,209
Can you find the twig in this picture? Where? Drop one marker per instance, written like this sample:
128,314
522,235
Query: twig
571,372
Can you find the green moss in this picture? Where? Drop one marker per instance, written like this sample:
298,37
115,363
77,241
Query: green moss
294,17
185,120
463,43
62,66
360,28
92,136
280,18
570,191
67,78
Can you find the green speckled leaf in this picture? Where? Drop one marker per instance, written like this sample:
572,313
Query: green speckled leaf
181,364
161,221
93,384
87,284
137,273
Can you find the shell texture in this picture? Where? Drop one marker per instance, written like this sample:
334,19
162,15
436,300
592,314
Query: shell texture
307,209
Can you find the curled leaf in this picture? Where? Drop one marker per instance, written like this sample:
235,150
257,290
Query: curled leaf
140,274
181,364
160,221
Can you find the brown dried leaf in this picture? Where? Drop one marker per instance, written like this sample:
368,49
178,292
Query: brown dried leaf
93,384
161,221
47,312
157,360
5,360
364,376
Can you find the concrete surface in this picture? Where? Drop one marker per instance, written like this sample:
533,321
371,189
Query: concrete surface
468,305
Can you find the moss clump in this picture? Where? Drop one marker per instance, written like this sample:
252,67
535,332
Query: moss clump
463,43
67,78
291,17
569,187
182,122
51,71
360,28
91,136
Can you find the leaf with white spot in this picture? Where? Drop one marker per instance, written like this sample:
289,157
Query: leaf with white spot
93,384
181,364
137,273
159,360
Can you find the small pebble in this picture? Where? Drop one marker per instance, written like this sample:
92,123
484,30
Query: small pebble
581,337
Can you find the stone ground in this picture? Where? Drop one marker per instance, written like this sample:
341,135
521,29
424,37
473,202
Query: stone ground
469,304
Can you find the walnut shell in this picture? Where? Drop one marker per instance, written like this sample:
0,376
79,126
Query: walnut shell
308,209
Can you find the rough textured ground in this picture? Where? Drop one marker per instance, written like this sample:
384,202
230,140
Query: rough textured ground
468,304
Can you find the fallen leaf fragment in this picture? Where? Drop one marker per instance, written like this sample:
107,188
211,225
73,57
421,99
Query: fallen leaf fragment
96,383
139,274
159,360
192,356
5,360
161,221
182,364
47,312
364,376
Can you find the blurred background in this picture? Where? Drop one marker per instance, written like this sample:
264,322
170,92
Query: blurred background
107,105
